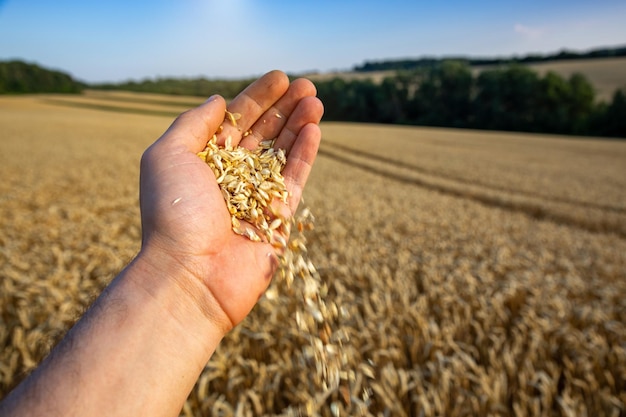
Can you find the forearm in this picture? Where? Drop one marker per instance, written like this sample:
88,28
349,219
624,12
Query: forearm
137,351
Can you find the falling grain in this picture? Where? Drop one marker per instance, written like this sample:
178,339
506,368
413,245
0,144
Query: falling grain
252,185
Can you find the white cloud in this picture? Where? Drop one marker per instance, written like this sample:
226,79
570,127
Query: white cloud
528,32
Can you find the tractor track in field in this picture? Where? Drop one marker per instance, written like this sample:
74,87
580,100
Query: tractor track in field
492,187
604,219
83,104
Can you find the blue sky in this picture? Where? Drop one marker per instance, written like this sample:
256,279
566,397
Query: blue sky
117,40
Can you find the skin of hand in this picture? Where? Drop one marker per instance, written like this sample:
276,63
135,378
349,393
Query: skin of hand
142,345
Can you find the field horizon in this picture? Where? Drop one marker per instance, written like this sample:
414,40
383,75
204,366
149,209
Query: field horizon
479,272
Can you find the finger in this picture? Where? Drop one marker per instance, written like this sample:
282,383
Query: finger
271,123
309,110
300,161
252,103
192,129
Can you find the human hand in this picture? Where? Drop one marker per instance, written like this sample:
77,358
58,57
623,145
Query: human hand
185,223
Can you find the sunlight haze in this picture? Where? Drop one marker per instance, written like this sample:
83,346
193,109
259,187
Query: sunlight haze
119,40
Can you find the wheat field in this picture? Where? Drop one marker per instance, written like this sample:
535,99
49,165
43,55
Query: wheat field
605,74
478,273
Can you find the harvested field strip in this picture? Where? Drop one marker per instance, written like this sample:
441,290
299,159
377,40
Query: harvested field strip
605,74
591,219
169,101
123,102
109,108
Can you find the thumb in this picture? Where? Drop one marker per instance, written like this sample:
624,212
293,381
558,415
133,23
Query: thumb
193,128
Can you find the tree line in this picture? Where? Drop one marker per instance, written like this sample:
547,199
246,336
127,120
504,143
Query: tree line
180,86
512,98
426,62
18,77
446,94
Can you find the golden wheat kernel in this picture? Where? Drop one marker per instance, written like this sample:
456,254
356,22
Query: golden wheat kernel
228,144
251,234
263,195
279,242
233,117
275,224
254,214
217,160
266,144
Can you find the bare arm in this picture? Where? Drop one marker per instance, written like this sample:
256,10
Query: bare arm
142,345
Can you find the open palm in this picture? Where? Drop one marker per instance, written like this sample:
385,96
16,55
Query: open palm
184,217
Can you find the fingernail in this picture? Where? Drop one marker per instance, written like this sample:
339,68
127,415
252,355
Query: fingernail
212,98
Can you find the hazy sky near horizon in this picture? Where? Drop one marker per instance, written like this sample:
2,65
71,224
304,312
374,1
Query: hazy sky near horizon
119,40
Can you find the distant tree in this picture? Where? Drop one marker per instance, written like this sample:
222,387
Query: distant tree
553,105
20,77
444,95
563,106
615,124
331,93
180,86
397,96
581,103
394,95
609,119
363,101
489,104
506,99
